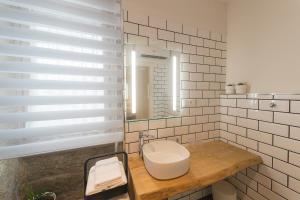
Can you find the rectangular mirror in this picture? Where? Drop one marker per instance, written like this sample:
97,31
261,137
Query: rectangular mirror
152,82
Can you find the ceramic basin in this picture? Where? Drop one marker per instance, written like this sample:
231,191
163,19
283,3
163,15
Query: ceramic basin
166,159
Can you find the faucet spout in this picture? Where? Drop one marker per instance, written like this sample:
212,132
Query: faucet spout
142,137
141,144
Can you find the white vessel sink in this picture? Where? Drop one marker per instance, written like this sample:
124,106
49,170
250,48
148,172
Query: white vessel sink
166,159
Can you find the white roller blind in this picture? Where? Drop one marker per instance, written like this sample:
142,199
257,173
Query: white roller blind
61,75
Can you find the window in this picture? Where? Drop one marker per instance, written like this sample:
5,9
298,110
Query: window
61,75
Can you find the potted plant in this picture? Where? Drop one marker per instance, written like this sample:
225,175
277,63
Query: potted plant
41,195
241,88
229,89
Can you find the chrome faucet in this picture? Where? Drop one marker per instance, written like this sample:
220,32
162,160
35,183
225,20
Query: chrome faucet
142,136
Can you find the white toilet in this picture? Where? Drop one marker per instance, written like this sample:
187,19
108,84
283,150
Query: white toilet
223,191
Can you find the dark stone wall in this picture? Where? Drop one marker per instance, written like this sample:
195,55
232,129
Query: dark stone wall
60,172
9,179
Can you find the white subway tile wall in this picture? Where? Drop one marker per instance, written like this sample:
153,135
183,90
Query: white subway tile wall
160,91
200,88
273,132
202,80
247,121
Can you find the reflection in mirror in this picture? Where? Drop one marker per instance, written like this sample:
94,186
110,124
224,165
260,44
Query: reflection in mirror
152,82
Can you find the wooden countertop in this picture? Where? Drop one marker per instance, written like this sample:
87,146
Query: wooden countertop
209,163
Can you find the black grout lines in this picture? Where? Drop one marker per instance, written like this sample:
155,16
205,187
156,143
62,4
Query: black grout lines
260,142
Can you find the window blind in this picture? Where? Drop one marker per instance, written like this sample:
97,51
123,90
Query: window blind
61,75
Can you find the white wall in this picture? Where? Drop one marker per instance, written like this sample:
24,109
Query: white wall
205,14
264,44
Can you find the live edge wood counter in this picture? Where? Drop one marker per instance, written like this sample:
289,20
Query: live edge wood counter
209,163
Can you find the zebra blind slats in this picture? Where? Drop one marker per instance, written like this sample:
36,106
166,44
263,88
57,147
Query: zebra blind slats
27,67
60,144
40,52
42,100
53,115
61,75
55,130
62,8
106,5
57,85
27,35
30,18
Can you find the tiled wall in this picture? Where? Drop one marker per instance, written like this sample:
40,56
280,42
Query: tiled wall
250,122
202,81
160,91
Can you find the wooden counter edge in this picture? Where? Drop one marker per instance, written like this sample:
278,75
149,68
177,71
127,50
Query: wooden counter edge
159,194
